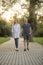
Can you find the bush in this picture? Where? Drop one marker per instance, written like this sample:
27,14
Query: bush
39,32
5,28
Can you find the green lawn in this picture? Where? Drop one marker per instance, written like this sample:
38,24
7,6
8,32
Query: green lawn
38,39
4,39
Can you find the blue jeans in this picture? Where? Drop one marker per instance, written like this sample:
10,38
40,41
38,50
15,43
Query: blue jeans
16,42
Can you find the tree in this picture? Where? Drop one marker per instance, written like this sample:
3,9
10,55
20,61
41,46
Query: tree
34,5
32,15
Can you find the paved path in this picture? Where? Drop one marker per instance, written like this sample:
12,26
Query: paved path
8,55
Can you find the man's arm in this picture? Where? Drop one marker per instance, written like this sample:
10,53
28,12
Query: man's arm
30,30
21,30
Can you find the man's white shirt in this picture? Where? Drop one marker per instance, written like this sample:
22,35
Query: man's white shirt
16,30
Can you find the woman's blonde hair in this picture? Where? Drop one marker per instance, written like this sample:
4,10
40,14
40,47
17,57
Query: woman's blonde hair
15,21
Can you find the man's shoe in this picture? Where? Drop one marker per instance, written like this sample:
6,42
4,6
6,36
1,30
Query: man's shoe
17,50
24,49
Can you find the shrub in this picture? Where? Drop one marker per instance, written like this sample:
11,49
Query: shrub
39,31
5,29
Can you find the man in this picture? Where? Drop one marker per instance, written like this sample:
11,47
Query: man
16,32
26,30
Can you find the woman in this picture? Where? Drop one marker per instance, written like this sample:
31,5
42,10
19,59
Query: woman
16,32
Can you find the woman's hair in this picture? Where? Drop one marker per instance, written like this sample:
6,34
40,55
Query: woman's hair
15,21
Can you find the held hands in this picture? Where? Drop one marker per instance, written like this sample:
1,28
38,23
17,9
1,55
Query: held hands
21,32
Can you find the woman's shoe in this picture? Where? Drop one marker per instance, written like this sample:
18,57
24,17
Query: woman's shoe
17,49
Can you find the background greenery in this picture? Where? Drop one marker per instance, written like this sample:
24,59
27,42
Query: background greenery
37,26
38,39
4,39
5,28
39,31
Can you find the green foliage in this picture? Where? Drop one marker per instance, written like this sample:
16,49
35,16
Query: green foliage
39,32
2,27
8,29
40,19
5,29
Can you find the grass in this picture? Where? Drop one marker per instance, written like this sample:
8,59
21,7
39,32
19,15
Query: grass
38,39
4,39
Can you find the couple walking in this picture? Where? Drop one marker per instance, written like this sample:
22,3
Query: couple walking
17,31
